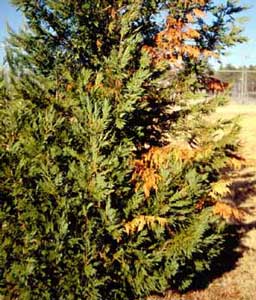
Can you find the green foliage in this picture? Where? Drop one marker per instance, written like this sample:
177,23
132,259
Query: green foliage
82,101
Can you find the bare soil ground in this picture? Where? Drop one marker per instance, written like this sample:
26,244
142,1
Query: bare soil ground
239,282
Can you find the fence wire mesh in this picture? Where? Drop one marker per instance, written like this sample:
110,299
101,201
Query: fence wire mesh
243,84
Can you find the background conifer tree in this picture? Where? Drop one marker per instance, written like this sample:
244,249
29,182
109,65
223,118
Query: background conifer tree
110,165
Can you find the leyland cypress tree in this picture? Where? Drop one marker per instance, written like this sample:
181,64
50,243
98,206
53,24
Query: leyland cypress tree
111,168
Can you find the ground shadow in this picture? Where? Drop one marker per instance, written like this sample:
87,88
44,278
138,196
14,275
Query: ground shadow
244,228
227,261
242,189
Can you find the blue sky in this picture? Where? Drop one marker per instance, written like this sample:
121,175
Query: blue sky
244,54
7,14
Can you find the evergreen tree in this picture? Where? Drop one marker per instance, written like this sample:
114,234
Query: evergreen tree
110,165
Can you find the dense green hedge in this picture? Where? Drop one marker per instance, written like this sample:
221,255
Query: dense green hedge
75,123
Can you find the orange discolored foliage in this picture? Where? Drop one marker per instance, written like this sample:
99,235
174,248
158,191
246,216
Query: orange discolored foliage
138,223
69,87
214,85
146,169
228,212
146,172
178,39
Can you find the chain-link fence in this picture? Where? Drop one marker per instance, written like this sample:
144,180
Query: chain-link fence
243,84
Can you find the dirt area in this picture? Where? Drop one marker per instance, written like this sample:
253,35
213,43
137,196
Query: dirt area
239,282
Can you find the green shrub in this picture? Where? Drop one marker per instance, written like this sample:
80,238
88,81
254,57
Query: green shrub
100,199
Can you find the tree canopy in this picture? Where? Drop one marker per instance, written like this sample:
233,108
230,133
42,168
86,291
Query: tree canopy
111,177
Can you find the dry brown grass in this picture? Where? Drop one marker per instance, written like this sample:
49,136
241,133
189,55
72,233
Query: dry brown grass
239,283
247,114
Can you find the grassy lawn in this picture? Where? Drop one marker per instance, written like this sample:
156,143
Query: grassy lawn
239,283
